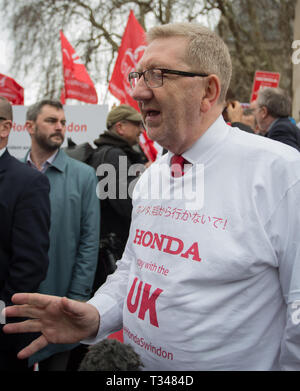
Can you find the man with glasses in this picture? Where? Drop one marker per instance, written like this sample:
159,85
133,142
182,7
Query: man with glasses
271,110
24,234
206,285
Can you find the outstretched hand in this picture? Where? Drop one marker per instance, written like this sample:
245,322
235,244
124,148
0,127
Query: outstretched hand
60,320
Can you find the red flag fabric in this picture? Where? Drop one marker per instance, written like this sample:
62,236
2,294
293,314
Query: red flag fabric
62,96
131,50
78,84
11,90
148,147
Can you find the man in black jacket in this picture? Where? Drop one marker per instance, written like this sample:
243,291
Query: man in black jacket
24,237
117,147
272,109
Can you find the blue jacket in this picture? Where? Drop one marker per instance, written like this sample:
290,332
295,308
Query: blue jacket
74,234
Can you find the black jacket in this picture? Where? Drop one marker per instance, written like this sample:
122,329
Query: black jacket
24,235
116,211
285,131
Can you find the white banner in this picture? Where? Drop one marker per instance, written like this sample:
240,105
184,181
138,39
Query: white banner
84,124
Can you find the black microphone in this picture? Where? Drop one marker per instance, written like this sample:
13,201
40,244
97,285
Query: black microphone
111,355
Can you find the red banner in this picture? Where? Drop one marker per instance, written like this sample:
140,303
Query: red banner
78,84
131,50
11,90
263,79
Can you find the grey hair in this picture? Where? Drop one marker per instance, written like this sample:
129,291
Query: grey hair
35,109
206,51
276,100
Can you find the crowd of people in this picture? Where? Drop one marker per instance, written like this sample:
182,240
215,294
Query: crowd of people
268,115
214,287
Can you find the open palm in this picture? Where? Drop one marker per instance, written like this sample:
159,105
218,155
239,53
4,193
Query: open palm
60,320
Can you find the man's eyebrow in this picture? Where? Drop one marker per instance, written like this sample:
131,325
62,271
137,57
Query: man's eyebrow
54,119
149,66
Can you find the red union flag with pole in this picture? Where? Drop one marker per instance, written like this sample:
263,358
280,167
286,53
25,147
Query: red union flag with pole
78,84
131,50
11,90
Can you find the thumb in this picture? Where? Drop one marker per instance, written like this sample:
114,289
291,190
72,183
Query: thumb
84,316
73,307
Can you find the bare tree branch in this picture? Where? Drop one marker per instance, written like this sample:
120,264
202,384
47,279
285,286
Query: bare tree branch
258,32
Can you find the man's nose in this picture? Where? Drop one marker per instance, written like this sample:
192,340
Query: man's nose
141,91
59,126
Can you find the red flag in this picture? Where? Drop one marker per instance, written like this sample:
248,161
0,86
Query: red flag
148,147
11,90
78,84
131,50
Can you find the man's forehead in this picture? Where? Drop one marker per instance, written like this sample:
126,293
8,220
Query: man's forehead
162,52
51,111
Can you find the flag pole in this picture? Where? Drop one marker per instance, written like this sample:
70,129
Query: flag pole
63,88
105,97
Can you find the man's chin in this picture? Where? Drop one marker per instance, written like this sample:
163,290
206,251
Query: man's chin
160,137
152,132
53,146
57,145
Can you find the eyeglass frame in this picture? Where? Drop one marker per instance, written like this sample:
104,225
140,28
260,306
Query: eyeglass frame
163,71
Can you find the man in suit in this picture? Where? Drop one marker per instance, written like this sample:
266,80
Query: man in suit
24,233
272,109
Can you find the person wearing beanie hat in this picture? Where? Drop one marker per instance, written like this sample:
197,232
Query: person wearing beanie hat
124,125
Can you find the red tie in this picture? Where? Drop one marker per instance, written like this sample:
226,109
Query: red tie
177,165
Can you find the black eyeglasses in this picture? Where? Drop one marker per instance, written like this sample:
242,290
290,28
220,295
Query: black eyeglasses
154,77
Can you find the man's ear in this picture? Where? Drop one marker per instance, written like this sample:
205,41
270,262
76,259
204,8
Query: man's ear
119,128
5,129
212,92
264,111
30,127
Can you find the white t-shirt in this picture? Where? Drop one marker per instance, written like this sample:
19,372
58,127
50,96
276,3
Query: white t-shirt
206,285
